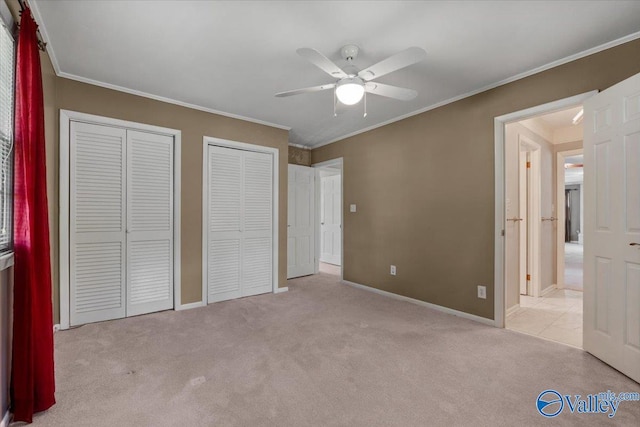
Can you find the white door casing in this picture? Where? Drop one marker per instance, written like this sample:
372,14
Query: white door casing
97,223
612,226
238,222
331,219
300,221
529,197
149,222
500,200
523,215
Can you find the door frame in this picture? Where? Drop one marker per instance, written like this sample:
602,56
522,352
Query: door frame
66,117
338,164
499,190
226,143
560,212
530,246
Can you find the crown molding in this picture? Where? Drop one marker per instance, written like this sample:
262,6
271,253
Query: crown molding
54,61
520,76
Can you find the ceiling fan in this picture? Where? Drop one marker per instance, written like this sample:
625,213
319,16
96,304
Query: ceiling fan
353,84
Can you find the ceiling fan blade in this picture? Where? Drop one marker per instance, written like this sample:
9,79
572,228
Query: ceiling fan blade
395,62
390,91
322,62
306,90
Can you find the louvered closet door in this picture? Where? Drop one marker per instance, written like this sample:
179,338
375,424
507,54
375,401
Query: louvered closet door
97,223
257,243
240,206
224,223
149,222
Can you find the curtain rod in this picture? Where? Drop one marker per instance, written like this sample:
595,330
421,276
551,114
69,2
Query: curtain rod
41,44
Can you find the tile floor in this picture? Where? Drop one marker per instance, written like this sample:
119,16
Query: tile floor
334,270
556,316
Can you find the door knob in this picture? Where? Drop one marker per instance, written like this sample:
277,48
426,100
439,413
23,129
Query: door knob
322,223
514,219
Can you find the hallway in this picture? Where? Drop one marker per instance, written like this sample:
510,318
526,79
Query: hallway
573,266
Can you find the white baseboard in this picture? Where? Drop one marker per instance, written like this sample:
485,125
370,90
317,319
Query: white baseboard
512,310
281,290
548,289
190,306
440,308
6,419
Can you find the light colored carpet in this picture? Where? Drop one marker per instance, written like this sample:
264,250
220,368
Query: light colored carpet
321,354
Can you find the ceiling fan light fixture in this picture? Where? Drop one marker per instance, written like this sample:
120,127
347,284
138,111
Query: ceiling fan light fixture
350,90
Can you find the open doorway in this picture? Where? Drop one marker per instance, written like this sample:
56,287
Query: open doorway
542,297
329,217
570,195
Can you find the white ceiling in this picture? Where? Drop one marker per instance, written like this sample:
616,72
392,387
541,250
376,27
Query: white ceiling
233,57
560,119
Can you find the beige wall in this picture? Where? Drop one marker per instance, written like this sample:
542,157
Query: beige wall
299,156
51,141
424,186
194,124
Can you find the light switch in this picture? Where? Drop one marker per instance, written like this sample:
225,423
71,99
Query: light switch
352,208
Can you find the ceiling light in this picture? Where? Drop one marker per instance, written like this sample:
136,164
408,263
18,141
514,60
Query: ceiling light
578,117
350,90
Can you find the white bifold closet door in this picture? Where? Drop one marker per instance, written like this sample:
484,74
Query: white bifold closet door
121,223
149,222
240,218
97,223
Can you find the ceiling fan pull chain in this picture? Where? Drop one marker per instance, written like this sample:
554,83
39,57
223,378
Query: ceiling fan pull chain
334,103
365,104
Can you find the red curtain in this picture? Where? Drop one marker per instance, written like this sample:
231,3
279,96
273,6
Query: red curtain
32,381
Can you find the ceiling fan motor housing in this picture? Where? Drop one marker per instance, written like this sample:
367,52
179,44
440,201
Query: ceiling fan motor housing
349,52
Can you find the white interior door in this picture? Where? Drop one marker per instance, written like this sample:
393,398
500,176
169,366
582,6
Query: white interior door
331,220
149,222
240,218
612,226
300,221
97,223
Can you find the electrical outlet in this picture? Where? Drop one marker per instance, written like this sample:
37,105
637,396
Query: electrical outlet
352,208
393,270
482,292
